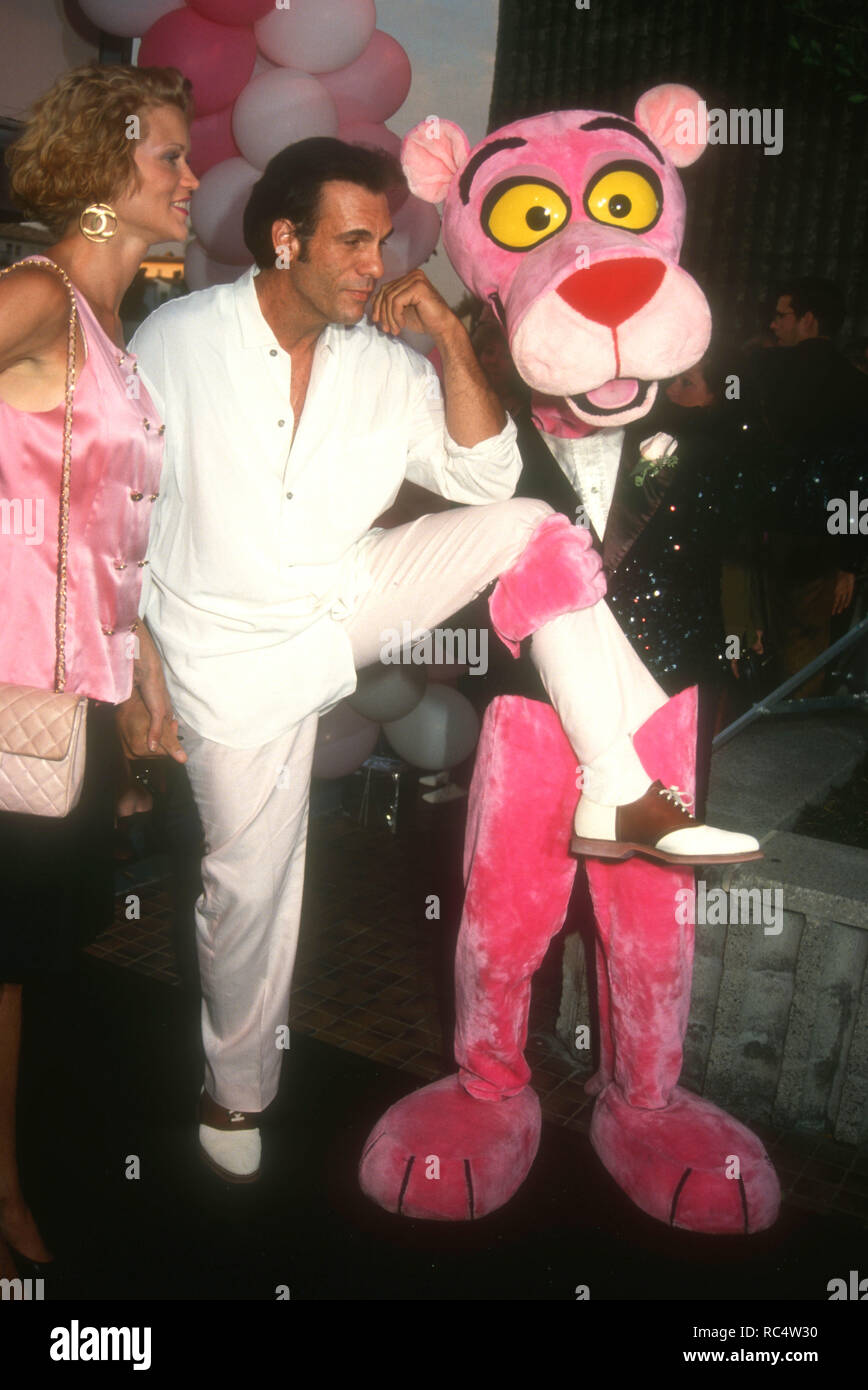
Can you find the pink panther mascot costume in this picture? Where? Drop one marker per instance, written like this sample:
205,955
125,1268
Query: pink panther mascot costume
570,225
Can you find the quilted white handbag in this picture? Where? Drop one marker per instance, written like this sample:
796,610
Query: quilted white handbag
42,748
42,732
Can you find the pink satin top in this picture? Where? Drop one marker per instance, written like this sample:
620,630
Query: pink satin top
117,449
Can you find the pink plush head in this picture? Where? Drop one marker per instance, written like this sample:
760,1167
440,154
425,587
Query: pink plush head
570,225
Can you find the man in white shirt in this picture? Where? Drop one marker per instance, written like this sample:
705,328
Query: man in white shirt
290,425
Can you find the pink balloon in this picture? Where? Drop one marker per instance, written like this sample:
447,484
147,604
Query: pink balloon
344,740
201,272
416,233
317,35
218,208
231,11
211,141
127,18
218,60
370,133
375,85
277,109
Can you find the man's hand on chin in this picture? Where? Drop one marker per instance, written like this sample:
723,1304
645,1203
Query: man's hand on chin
473,411
412,302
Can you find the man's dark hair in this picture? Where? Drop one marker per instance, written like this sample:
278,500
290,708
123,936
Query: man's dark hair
292,183
822,298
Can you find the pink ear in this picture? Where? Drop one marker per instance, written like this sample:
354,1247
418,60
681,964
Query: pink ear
675,118
432,155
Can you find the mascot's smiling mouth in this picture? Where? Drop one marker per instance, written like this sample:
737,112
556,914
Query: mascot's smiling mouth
612,398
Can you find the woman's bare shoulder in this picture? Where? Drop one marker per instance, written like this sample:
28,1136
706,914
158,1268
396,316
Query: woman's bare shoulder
34,312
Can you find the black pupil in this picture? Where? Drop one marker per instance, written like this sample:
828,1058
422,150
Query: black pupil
538,218
620,205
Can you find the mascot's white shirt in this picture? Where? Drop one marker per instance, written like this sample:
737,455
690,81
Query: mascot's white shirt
257,549
590,466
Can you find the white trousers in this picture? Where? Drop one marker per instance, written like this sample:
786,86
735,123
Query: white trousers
253,803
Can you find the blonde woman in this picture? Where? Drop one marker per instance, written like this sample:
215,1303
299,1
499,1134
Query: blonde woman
103,163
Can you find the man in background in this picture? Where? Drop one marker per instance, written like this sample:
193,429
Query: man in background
815,407
811,389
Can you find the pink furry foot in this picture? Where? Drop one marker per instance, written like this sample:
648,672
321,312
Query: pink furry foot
673,1163
441,1155
557,572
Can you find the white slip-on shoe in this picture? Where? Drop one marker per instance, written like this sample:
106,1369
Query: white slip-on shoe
229,1141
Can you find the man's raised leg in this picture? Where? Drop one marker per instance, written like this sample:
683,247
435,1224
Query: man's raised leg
549,589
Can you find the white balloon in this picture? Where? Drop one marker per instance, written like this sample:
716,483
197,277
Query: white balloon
317,35
278,108
218,208
440,732
388,692
201,272
129,19
261,65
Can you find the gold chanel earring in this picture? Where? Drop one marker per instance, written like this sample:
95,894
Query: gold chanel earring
98,222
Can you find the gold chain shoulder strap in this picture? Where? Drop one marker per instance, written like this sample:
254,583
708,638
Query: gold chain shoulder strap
63,518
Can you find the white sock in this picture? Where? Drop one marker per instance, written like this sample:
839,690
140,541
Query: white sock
602,693
616,777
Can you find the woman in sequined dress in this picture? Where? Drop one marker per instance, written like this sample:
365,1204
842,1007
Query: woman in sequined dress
705,528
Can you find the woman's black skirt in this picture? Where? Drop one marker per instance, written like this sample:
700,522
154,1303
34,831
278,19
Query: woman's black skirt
56,874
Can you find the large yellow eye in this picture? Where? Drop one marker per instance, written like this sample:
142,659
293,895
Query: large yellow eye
627,195
520,213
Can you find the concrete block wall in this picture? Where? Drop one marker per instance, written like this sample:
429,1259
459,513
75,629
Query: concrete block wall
779,1024
778,1028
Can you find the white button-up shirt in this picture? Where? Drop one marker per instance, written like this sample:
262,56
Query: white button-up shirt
257,549
590,465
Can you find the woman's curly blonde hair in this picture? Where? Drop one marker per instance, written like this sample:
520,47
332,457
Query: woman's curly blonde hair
75,148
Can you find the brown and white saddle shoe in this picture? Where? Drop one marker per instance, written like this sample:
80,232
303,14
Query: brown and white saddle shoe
658,826
229,1141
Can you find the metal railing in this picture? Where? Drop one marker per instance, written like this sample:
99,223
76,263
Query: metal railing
777,703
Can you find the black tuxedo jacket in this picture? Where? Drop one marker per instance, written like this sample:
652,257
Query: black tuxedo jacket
632,507
661,553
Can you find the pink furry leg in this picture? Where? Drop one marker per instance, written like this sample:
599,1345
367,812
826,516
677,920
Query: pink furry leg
461,1147
678,1157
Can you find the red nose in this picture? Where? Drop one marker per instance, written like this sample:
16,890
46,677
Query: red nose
613,291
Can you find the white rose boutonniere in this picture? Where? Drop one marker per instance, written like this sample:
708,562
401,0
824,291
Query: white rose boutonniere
655,453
